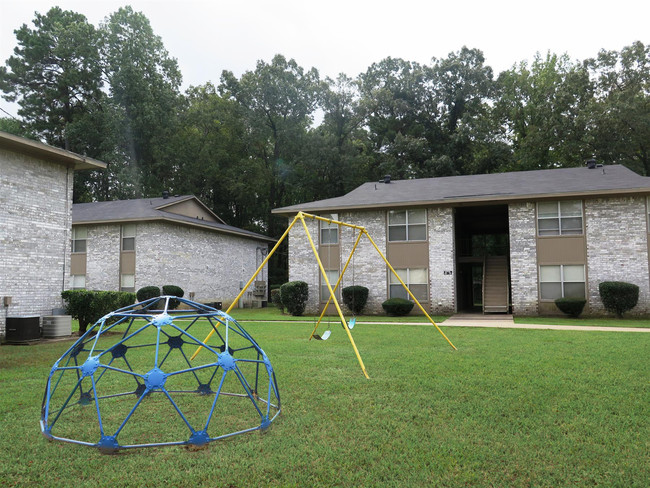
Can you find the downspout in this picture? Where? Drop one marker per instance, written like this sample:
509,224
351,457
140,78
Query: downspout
68,220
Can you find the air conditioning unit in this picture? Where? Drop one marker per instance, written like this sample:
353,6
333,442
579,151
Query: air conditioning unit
23,329
57,325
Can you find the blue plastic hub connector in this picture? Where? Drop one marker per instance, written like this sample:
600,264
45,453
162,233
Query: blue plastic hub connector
155,379
108,444
162,319
119,351
175,342
89,366
226,361
199,438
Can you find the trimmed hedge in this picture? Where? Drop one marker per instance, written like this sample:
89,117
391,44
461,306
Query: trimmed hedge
276,298
571,306
294,295
397,306
618,296
355,297
175,291
147,292
89,306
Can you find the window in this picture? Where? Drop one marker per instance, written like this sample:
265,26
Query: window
415,279
562,281
127,282
559,218
77,282
407,225
332,277
329,232
79,236
128,237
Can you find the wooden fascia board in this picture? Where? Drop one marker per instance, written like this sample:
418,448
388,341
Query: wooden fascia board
48,153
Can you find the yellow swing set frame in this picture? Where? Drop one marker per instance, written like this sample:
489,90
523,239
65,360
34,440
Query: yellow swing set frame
301,216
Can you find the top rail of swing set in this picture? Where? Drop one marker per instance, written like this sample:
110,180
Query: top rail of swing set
300,217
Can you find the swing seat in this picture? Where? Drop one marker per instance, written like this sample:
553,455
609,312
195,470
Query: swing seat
352,323
324,337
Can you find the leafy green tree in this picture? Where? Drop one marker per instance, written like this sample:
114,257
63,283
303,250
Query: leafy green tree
278,100
210,150
55,76
144,86
543,107
620,113
337,151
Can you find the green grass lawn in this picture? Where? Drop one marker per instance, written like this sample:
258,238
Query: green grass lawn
509,408
591,321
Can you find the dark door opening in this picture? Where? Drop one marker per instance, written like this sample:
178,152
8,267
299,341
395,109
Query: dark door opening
481,232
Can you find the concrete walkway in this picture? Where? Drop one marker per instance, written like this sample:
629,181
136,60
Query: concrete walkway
503,321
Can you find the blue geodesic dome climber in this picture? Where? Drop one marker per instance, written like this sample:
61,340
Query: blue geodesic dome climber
130,382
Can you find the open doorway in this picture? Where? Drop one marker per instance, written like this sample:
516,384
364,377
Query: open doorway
482,259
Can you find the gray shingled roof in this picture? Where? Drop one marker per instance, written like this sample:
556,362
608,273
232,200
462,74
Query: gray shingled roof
148,209
495,187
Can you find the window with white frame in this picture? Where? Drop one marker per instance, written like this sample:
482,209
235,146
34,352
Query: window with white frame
407,225
127,282
128,237
79,236
77,282
562,281
329,232
332,277
559,218
415,278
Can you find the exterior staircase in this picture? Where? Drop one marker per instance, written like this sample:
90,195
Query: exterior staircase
495,285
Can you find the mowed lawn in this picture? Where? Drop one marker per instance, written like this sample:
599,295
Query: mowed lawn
508,408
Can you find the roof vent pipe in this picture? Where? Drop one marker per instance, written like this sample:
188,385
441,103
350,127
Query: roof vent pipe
591,163
165,194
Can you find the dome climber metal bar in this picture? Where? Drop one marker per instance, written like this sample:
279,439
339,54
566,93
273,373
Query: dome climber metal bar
300,217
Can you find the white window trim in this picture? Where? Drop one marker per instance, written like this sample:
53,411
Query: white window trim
407,282
407,225
559,219
562,280
75,230
322,225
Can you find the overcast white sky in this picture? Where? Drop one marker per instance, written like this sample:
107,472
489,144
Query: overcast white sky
347,36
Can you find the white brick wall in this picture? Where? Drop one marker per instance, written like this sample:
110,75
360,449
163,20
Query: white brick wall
617,248
35,212
442,258
208,263
523,258
103,257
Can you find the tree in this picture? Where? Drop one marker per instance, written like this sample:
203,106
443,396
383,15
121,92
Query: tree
619,115
55,76
542,107
278,100
144,86
210,158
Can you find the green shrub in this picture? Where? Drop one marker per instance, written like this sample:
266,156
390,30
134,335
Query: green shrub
175,291
147,292
355,298
89,306
397,306
618,296
294,296
276,298
571,306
